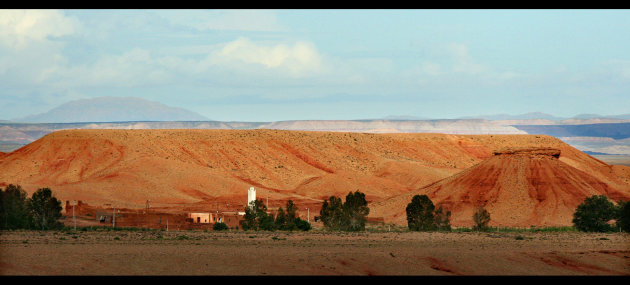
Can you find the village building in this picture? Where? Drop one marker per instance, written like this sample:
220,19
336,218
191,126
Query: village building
204,218
233,220
199,218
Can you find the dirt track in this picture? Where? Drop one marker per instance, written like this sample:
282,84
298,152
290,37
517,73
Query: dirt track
314,253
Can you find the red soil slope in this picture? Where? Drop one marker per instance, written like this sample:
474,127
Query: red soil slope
519,187
180,167
203,169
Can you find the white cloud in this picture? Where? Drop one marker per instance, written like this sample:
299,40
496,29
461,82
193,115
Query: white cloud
432,68
299,59
225,20
242,20
19,28
463,62
617,69
29,54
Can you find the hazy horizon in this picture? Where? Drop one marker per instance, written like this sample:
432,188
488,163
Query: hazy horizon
275,65
147,110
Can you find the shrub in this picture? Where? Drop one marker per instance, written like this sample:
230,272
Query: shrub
302,225
420,215
442,219
44,209
355,211
481,218
348,216
281,219
332,213
255,215
623,216
267,223
220,227
13,208
291,216
287,221
593,214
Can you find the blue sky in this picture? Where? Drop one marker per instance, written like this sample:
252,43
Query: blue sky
269,65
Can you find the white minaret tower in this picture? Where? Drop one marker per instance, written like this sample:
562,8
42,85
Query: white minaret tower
251,196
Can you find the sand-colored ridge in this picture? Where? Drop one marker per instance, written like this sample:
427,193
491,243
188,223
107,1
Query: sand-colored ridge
177,168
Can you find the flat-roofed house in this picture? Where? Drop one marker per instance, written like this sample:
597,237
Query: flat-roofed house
201,218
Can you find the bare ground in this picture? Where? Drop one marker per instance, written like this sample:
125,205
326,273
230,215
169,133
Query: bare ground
312,253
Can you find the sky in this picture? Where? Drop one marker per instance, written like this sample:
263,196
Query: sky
272,65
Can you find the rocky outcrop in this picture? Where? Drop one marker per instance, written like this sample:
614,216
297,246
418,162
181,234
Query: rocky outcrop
552,152
518,186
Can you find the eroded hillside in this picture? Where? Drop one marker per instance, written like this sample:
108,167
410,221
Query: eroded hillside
180,169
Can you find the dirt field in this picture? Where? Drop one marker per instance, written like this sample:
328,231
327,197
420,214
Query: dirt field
313,253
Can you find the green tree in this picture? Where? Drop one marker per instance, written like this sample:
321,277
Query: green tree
594,214
420,216
442,219
287,221
256,217
220,226
481,218
331,213
13,208
348,216
281,219
291,216
253,214
44,209
355,211
267,223
623,215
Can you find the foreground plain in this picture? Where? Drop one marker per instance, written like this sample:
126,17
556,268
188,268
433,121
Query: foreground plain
312,253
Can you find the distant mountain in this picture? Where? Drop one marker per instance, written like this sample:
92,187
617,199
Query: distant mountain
526,116
405,118
113,109
544,116
588,116
597,116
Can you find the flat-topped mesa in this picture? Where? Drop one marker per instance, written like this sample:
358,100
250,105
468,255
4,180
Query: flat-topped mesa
535,151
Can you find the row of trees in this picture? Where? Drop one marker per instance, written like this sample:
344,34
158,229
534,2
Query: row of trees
597,213
41,211
423,216
257,218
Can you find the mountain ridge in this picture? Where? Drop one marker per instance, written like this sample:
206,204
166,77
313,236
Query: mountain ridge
112,109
